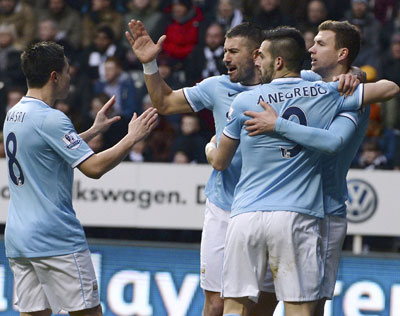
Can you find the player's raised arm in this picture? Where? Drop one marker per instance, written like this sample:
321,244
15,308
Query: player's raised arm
379,91
138,128
166,100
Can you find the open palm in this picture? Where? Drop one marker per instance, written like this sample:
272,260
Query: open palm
142,44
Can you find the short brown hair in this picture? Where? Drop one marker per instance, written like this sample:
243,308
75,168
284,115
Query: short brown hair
346,36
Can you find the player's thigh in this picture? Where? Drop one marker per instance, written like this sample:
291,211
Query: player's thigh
300,308
30,296
294,245
95,311
245,258
46,312
333,233
212,247
69,281
265,306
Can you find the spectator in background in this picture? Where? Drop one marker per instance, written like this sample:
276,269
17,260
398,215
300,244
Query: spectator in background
146,11
391,27
10,62
116,131
308,35
206,61
48,30
316,13
391,71
183,29
190,142
119,83
370,54
269,15
101,13
137,152
69,21
371,156
370,27
13,95
160,141
384,9
22,17
227,15
104,46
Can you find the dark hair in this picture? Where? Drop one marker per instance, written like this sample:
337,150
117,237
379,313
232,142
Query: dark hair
105,29
39,60
253,33
288,43
346,36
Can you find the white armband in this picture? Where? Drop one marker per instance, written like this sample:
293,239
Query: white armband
209,147
150,67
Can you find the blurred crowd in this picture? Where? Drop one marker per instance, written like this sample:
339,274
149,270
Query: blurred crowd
103,64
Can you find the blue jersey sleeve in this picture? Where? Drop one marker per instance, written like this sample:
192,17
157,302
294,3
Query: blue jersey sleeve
198,96
235,118
329,141
310,75
59,133
350,103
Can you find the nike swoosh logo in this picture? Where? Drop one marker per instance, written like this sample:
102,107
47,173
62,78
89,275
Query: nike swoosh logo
232,94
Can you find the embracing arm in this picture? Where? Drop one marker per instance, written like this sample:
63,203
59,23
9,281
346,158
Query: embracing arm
166,100
220,157
379,91
329,141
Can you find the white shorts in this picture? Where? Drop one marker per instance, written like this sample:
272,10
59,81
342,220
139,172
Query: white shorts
333,232
290,241
58,283
212,247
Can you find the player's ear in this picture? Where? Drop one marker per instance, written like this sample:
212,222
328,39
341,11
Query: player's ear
255,54
343,54
53,76
279,63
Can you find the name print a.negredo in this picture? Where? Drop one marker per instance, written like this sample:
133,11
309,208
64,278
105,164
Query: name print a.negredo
15,116
277,97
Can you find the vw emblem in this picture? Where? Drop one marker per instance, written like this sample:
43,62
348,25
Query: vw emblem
362,202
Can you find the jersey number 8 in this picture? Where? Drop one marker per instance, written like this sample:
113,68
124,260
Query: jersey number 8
13,164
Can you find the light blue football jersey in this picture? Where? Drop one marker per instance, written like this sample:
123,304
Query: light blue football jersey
42,148
216,94
278,174
336,167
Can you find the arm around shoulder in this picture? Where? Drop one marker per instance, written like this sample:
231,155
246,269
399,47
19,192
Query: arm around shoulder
379,91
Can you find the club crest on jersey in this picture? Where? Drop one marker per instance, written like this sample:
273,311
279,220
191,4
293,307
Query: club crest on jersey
229,114
72,140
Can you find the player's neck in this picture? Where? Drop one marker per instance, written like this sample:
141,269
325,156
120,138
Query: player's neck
328,75
286,74
42,94
252,81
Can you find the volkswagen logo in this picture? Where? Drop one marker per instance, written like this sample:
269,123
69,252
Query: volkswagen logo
362,202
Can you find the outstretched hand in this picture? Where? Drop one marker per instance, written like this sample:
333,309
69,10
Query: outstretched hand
142,44
348,83
140,127
261,122
102,122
